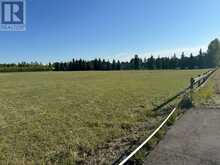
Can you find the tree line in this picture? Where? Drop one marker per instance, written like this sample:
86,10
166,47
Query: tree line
136,63
83,65
208,59
25,67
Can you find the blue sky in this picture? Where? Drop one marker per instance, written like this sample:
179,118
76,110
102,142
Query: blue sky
66,29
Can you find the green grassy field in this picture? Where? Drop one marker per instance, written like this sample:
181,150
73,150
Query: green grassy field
62,117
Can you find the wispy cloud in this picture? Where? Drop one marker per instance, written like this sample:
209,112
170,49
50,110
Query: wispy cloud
125,56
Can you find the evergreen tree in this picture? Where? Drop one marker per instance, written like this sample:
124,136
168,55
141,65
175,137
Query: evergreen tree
213,54
159,64
118,65
137,62
151,63
114,65
191,63
183,61
200,62
174,62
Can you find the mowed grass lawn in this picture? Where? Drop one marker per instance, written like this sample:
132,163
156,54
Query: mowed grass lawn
53,117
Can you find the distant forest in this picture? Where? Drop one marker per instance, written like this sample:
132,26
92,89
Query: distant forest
209,59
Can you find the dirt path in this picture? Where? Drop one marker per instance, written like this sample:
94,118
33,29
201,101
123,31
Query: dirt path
193,140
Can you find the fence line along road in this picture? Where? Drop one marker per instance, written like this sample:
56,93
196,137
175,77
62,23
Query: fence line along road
195,83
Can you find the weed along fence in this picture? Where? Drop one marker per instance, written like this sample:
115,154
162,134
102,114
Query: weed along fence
195,84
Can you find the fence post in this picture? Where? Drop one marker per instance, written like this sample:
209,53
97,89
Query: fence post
204,79
199,83
192,83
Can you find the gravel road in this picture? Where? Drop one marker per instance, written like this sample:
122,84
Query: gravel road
193,140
